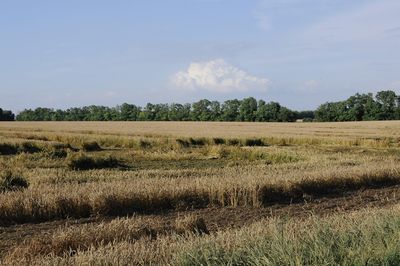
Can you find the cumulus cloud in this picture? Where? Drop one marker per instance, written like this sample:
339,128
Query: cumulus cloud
217,76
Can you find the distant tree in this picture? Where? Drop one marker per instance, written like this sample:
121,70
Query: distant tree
204,110
309,115
272,110
215,108
371,108
58,115
128,112
248,109
148,113
327,112
161,112
201,110
397,113
230,110
175,112
387,101
354,110
6,115
75,114
360,107
261,111
179,112
286,115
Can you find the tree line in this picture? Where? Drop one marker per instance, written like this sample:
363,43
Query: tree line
385,105
247,109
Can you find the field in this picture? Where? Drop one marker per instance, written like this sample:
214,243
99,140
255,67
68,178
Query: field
194,193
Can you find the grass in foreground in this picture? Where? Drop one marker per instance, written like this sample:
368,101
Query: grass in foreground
368,237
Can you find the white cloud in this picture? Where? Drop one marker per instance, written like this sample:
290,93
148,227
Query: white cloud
217,76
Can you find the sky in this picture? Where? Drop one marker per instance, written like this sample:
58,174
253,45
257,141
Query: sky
301,53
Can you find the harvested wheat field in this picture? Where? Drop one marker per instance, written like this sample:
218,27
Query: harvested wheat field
199,193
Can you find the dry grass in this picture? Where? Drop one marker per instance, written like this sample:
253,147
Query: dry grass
214,129
113,198
67,240
365,237
144,168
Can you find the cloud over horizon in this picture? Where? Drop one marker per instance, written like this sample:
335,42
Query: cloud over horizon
217,76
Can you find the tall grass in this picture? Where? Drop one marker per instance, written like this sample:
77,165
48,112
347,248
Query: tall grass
174,167
69,239
155,195
367,237
364,238
10,181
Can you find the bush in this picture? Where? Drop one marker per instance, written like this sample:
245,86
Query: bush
191,142
25,147
254,142
83,162
233,142
28,147
218,141
8,149
197,142
183,143
144,144
11,182
91,146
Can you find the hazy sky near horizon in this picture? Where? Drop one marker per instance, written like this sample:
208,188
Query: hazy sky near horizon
298,52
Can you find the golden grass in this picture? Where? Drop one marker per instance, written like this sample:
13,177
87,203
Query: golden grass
129,134
215,129
368,236
67,240
169,166
142,195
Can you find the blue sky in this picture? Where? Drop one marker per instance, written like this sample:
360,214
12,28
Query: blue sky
298,52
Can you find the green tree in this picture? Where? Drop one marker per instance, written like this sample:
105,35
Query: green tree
148,113
161,112
128,112
371,108
201,110
248,109
387,101
6,115
179,112
286,115
215,108
261,111
230,110
271,113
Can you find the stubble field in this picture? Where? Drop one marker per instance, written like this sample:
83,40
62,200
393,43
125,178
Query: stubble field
192,193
